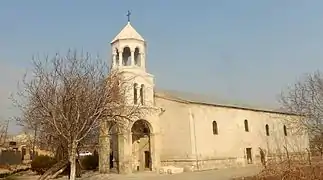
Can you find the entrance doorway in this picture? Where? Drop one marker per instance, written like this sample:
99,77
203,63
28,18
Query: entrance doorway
141,146
147,160
249,155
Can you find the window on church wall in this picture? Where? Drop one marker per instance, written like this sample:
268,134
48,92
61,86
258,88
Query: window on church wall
215,128
135,96
246,125
137,57
142,94
267,129
285,130
126,56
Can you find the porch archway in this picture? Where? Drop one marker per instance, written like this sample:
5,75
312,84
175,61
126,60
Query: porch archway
141,146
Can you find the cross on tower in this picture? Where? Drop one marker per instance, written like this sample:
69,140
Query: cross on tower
128,14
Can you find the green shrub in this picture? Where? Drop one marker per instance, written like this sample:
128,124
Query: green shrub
42,163
90,162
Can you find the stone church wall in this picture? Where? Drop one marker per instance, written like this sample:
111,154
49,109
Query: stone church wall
174,130
188,140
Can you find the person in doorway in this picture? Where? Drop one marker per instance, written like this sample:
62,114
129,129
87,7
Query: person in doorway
262,157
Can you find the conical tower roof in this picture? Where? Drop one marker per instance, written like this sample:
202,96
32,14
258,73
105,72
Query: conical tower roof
128,32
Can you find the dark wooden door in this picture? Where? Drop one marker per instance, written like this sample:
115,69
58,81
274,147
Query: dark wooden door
147,159
249,155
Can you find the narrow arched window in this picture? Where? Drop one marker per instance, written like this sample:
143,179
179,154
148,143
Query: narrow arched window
285,130
246,126
215,128
267,130
142,95
137,57
135,97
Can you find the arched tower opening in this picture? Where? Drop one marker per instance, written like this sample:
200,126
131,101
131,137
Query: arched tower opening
135,96
126,56
142,94
137,57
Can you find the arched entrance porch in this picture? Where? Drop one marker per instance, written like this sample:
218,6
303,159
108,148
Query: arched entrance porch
135,148
141,148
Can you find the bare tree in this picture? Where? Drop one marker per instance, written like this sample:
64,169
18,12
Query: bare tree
305,98
3,132
316,144
68,97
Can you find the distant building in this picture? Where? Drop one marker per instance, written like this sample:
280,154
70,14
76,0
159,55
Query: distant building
24,142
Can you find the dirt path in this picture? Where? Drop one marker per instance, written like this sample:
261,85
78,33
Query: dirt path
221,174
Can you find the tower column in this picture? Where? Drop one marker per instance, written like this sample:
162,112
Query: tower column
132,62
142,60
114,58
120,58
124,153
138,94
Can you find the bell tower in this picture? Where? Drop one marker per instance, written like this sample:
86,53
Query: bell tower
128,48
129,57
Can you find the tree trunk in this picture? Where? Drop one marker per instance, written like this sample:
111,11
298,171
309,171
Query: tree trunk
72,158
54,169
104,148
58,173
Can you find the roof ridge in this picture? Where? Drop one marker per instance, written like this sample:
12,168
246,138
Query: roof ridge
213,100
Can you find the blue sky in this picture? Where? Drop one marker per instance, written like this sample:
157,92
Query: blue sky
243,50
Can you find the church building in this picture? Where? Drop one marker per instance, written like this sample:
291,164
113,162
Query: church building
192,131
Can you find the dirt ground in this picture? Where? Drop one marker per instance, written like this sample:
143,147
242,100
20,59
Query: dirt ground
221,174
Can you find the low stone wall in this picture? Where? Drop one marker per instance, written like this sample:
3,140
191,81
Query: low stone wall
291,156
205,164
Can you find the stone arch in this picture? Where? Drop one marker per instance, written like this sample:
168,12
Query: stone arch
142,123
137,56
126,56
141,131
